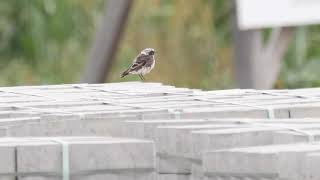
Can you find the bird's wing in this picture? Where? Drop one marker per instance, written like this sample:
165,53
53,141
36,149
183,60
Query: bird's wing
139,62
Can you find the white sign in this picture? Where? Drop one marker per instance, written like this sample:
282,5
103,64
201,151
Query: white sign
254,14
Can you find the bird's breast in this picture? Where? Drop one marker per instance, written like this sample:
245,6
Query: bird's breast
153,63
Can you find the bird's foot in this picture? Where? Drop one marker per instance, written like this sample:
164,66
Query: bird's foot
141,77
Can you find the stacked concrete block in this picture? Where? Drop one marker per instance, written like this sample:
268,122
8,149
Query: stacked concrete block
172,165
146,129
261,162
137,99
250,136
97,124
180,147
183,123
174,145
145,100
311,170
233,138
190,137
305,135
86,158
18,121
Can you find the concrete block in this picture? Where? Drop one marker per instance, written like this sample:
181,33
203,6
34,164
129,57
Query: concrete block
3,131
146,129
197,172
89,157
7,164
15,121
258,121
61,125
229,138
180,147
304,135
174,146
173,177
31,157
302,110
231,112
15,114
254,135
274,161
311,168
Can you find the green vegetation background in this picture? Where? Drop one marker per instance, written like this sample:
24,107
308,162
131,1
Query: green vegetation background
46,42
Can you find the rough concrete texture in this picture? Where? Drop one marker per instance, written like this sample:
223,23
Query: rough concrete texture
185,124
100,157
276,161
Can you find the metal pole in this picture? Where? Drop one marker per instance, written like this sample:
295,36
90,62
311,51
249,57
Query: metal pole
103,50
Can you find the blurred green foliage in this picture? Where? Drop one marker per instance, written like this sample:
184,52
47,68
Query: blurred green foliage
302,63
47,41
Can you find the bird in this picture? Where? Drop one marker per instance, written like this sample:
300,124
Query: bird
142,64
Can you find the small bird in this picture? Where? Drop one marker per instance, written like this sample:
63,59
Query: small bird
142,64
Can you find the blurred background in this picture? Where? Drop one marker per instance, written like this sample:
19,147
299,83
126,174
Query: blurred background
48,42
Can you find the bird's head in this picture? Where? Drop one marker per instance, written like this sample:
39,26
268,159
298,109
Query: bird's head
148,51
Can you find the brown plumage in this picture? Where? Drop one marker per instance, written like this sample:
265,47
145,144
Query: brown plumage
142,64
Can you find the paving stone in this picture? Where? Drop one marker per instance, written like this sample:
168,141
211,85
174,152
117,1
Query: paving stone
275,161
102,157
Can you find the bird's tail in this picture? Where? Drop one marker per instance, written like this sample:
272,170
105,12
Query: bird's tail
126,72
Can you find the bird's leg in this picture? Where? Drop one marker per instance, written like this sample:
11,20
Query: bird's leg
141,77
